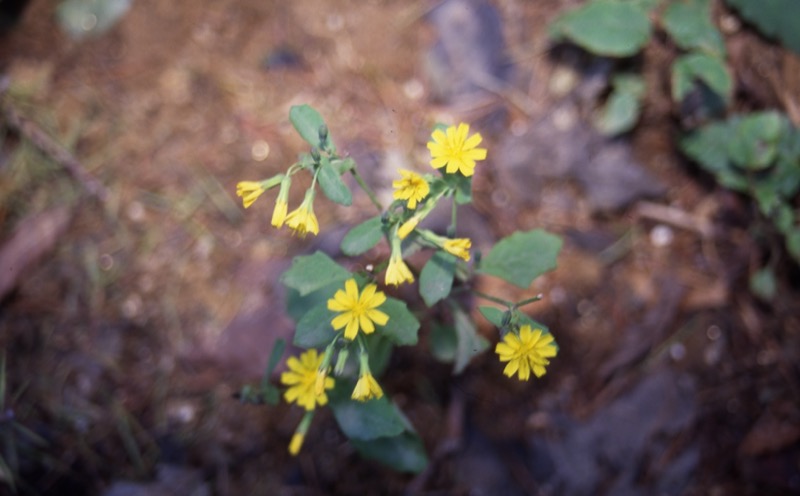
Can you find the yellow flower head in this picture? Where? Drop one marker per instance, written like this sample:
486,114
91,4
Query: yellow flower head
408,226
528,351
357,311
367,388
411,187
301,379
303,221
296,443
458,247
282,203
456,150
249,191
397,272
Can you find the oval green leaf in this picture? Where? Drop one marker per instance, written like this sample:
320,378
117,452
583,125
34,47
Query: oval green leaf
371,419
522,257
402,326
309,273
606,27
363,237
404,453
307,122
332,185
436,278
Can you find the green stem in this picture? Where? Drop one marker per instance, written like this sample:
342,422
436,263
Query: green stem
451,231
526,301
501,301
367,189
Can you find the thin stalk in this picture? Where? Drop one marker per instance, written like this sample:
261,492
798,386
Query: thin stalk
367,189
451,231
501,301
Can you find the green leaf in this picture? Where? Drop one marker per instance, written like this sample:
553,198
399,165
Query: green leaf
371,419
775,18
402,326
709,69
522,257
783,217
763,284
436,278
444,342
297,306
314,329
307,122
612,28
793,244
332,185
689,24
621,111
309,273
83,18
404,453
363,237
646,5
380,351
462,186
470,343
755,139
493,314
708,146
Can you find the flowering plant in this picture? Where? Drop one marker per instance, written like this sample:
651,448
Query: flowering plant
348,325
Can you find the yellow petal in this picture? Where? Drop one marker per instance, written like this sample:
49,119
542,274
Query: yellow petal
378,317
341,320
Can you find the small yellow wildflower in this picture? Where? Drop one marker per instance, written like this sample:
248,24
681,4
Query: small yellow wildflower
458,247
455,150
411,187
302,220
249,191
301,379
282,203
528,351
367,388
397,272
357,311
408,226
296,443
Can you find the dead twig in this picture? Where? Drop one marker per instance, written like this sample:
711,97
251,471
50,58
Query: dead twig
49,146
675,217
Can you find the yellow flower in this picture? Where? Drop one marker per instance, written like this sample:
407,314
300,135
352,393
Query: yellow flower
301,379
458,247
296,443
303,221
249,191
357,312
455,150
411,187
282,203
367,388
528,351
398,272
408,226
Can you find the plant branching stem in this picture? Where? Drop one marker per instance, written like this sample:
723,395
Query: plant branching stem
367,189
